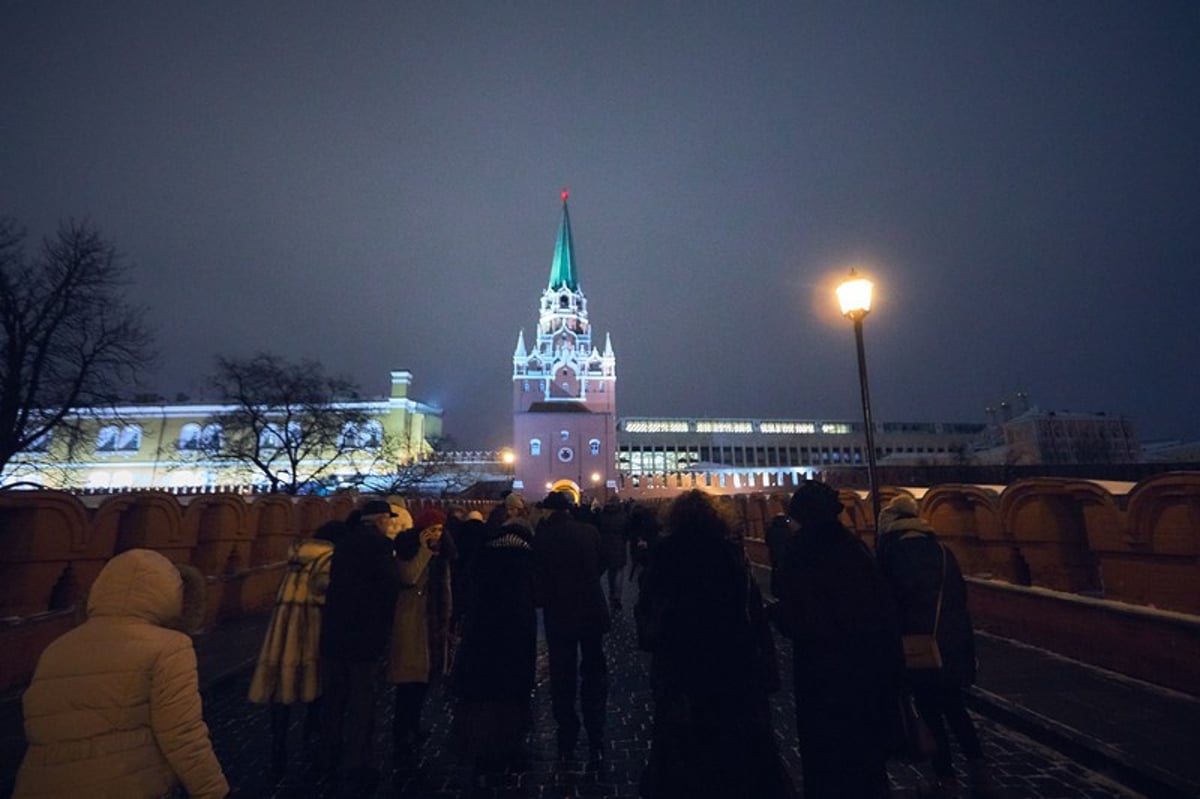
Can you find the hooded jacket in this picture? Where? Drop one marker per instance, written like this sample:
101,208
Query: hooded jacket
114,706
917,567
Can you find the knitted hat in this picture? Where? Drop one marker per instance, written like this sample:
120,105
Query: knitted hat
428,518
814,501
903,506
474,516
556,500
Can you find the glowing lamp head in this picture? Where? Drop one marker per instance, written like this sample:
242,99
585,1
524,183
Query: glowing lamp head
595,477
854,295
507,456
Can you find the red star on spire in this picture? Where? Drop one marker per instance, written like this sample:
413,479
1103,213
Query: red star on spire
565,194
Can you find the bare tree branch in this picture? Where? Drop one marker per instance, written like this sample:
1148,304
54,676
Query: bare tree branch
290,422
69,342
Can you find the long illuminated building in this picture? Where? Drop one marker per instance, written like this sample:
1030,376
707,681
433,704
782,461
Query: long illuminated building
747,453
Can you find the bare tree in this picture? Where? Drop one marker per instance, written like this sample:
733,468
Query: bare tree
398,470
69,343
289,421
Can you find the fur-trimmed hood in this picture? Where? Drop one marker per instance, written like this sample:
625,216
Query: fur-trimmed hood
142,583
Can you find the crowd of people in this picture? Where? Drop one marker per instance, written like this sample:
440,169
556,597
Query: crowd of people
386,598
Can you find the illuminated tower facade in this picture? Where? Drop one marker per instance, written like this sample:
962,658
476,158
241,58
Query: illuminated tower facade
564,390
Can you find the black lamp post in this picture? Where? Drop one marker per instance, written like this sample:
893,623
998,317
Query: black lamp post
854,295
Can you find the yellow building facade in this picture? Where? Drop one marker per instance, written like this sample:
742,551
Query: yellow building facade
166,446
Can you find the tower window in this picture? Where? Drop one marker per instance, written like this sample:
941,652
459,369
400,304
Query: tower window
594,446
565,435
535,446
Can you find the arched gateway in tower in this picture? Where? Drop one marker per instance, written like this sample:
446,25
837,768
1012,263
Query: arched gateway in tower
564,390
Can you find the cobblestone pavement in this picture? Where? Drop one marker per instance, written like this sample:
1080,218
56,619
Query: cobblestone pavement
241,736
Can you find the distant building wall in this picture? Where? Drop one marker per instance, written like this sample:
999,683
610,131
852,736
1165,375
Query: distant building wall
158,446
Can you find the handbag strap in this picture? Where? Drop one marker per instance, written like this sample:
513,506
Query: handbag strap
937,617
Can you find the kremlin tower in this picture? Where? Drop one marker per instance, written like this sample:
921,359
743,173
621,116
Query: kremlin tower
564,391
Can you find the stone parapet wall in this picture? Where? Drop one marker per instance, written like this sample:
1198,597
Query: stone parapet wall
1156,646
1074,537
1112,579
54,544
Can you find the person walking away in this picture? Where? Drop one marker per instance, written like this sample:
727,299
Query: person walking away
568,562
468,540
776,537
420,625
931,599
848,665
643,534
493,675
355,628
288,667
114,707
713,666
612,521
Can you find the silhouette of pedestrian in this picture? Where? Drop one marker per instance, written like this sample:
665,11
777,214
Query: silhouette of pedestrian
568,565
837,610
714,664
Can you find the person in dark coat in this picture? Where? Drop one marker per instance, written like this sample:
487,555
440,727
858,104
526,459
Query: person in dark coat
468,538
568,565
776,537
493,675
928,588
612,522
364,582
714,664
848,664
644,530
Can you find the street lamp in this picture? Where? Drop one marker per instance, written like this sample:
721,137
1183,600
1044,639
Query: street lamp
854,295
508,458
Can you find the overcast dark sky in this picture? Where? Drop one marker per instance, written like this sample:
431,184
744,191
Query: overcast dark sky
375,185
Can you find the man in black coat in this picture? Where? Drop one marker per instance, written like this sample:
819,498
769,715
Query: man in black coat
612,522
848,663
356,625
568,562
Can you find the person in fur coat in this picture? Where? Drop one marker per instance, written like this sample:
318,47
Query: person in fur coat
288,668
114,706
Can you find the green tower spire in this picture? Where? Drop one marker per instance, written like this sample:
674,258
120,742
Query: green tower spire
562,271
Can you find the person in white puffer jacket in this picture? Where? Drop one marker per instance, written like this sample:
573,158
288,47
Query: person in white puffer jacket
114,706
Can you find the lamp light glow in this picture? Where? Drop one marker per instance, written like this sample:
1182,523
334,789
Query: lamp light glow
854,296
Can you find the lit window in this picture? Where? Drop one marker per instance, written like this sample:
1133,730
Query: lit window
272,437
41,443
210,437
535,446
565,435
368,435
594,446
130,439
106,439
190,436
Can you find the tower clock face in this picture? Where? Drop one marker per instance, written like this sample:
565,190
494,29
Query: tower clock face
565,454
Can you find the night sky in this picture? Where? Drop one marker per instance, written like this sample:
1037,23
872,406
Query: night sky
376,186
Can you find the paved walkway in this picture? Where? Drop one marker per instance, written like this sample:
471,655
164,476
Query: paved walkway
1023,767
1051,727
